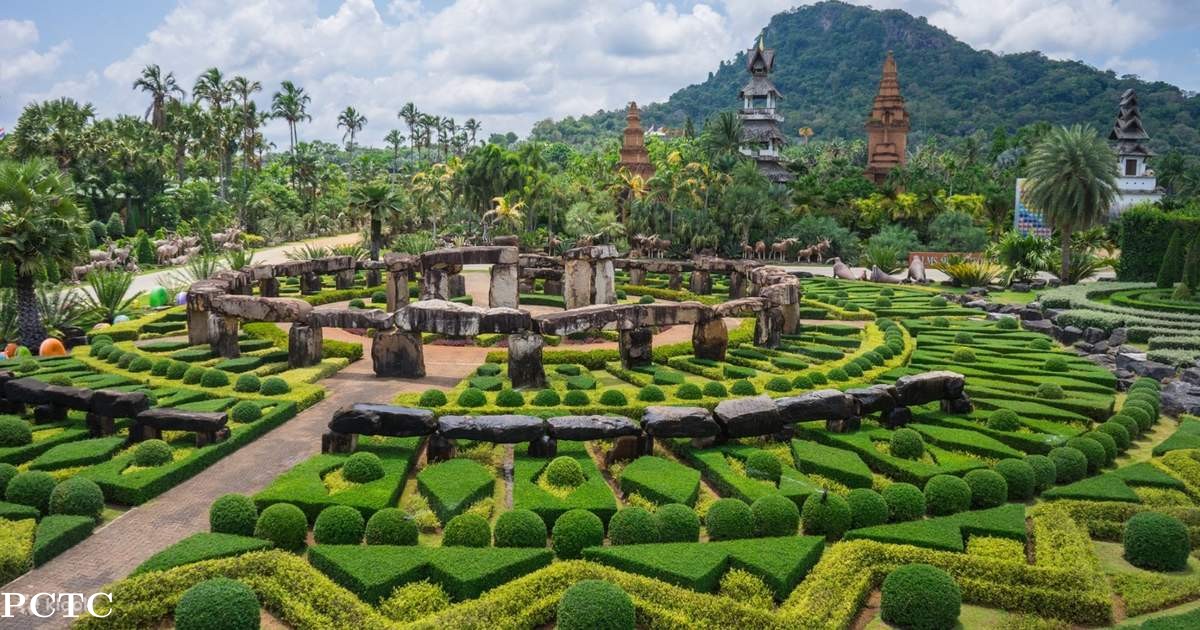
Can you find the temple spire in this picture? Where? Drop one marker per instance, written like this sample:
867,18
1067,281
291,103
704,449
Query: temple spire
887,125
634,157
761,137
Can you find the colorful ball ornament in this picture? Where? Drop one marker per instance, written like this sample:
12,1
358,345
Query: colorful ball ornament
181,298
10,350
101,326
158,297
22,351
52,347
120,318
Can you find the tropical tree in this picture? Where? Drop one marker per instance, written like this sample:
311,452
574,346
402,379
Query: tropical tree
1073,181
378,200
505,212
410,115
723,134
161,88
353,122
40,227
291,104
472,127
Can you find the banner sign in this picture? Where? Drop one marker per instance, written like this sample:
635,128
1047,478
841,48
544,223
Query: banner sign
1028,220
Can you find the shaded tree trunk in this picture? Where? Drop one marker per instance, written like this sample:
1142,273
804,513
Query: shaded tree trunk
29,320
1065,269
376,236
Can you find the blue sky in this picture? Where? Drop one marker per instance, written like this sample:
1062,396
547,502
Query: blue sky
506,63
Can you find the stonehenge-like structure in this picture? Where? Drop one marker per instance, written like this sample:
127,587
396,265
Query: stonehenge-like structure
588,276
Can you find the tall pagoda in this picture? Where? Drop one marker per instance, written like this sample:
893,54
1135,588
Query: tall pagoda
634,157
887,126
1135,181
761,137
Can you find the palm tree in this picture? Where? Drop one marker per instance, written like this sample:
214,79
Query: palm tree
723,134
472,127
1073,181
40,227
379,200
161,89
291,104
505,213
244,88
395,140
353,122
410,115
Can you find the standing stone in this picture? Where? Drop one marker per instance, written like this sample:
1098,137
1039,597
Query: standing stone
397,290
588,276
545,447
710,339
197,327
637,276
552,287
791,318
737,285
435,284
525,360
457,284
700,283
502,293
268,287
344,279
636,347
767,326
440,449
373,278
675,281
224,340
577,283
604,283
396,353
334,442
304,345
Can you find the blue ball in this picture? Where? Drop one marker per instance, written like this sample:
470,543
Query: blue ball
120,318
181,299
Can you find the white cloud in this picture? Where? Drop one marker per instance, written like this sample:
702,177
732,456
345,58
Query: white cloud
21,59
17,34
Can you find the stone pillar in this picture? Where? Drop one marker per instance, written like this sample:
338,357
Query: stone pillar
675,281
373,278
604,286
525,360
503,289
577,283
737,285
710,339
197,326
440,449
224,341
457,284
100,426
767,325
344,279
637,275
396,353
896,417
636,347
588,276
544,446
304,345
310,283
791,318
435,284
268,287
333,442
397,290
700,283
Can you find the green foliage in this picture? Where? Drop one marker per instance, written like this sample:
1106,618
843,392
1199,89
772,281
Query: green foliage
362,467
152,453
574,531
660,480
77,496
1045,470
233,514
577,398
471,397
1156,542
1070,464
7,472
339,525
214,378
510,398
1050,391
520,528
906,444
775,515
1092,451
1020,479
956,231
746,588
595,605
869,508
1055,364
432,398
272,386
633,526
763,465
825,514
947,494
1117,432
200,547
988,488
245,412
546,398
14,432
651,393
1003,420
729,519
414,601
677,523
467,530
1008,323
218,604
920,597
284,525
689,391
247,383
613,398
713,389
391,526
743,388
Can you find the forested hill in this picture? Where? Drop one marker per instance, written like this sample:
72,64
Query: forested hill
827,64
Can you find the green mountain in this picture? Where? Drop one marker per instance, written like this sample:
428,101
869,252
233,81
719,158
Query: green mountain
828,58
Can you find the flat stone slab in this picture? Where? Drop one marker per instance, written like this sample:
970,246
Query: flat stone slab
501,429
746,417
440,316
593,252
78,398
622,316
479,255
653,265
401,262
169,419
389,420
688,422
822,404
352,318
584,428
113,404
27,390
919,389
874,398
742,307
262,309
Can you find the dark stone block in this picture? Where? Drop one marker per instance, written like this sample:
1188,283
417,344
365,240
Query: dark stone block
501,429
583,428
1070,335
100,426
746,417
919,389
544,446
388,420
45,414
636,347
896,418
440,449
843,425
664,422
115,404
961,405
1093,334
334,442
27,390
170,419
875,398
823,404
77,398
396,353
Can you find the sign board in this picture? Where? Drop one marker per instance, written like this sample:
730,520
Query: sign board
1028,220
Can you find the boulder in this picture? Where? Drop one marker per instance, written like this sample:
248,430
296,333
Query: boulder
1191,376
669,422
1070,334
114,404
501,429
77,398
502,291
747,417
304,345
1179,398
27,391
583,428
1093,334
1118,337
1043,326
397,353
876,398
1030,314
171,419
1153,369
710,339
896,418
388,420
919,389
822,404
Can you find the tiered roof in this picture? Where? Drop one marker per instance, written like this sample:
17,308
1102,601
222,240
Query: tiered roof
634,157
1128,131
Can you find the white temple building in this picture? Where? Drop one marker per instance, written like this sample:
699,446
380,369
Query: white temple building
1136,182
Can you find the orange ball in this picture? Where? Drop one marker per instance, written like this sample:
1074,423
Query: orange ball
10,350
52,347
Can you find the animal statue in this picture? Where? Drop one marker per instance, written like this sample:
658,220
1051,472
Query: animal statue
79,272
814,253
781,248
878,275
843,271
916,271
747,250
760,249
96,255
167,251
661,246
639,246
553,244
190,241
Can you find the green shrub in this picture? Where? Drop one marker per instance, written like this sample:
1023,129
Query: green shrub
160,367
7,472
920,597
632,526
729,519
179,369
838,375
245,412
1092,451
574,531
1041,343
379,297
362,467
1070,464
218,604
964,355
883,302
713,389
651,393
488,369
579,398
825,514
867,508
339,525
743,388
565,472
391,526
1004,420
763,465
233,514
274,386
613,398
471,397
1118,433
646,299
357,303
988,488
947,494
906,444
247,383
817,378
1045,472
663,377
124,362
32,488
937,301
1050,391
1130,425
432,398
152,453
1156,542
14,432
779,384
1019,477
193,374
214,378
77,496
568,369
1055,364
689,391
1008,323
1144,420
746,588
140,364
414,601
114,355
596,605
467,530
802,382
284,525
510,398
905,502
520,528
964,338
546,398
1107,442
677,523
775,515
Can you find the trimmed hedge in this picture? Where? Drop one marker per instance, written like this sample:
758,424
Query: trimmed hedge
1156,542
218,604
596,605
920,597
200,547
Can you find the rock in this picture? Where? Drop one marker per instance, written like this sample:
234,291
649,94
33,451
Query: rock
823,404
501,429
171,419
670,422
1093,334
77,398
1019,287
896,418
43,414
525,360
1119,337
747,417
440,316
710,339
1038,325
961,405
397,353
1153,369
875,398
621,317
545,447
700,282
1179,398
1037,283
635,347
768,326
1127,356
1051,313
843,425
982,304
27,391
332,442
388,420
344,280
977,291
304,345
456,257
1100,347
1191,376
502,291
583,428
1070,335
920,389
1083,347
1030,314
351,318
114,404
629,447
223,339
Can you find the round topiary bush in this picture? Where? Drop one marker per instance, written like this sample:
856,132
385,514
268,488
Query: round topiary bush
193,375
510,398
14,432
1008,323
114,355
853,370
1118,433
124,362
1092,451
1050,391
284,525
1070,464
218,604
467,530
905,502
743,387
920,597
339,525
906,444
579,398
1156,542
214,378
432,398
729,519
713,389
520,528
1003,420
613,398
947,494
362,467
595,605
632,526
838,374
1143,419
77,496
1055,364
763,465
152,453
233,514
775,515
1041,343
651,393
818,378
689,391
546,398
177,370
379,297
937,301
964,338
1106,441
488,369
564,472
825,514
1045,472
1131,426
882,302
274,386
32,488
802,382
964,355
574,531
988,488
391,526
1019,477
472,397
1141,404
247,383
778,384
140,364
677,523
357,303
867,508
7,472
245,412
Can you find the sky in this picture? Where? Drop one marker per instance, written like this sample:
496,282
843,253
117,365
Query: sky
507,63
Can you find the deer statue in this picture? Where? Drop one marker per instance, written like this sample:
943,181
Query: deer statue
760,249
747,250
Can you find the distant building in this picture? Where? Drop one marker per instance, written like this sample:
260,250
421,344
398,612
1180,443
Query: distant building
761,137
887,126
1135,181
634,157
